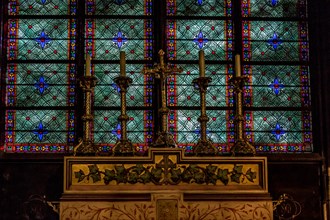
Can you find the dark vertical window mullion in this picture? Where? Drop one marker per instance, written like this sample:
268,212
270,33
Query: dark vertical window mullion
159,15
80,62
3,55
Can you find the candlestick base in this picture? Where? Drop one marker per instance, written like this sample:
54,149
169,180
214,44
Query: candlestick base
85,148
205,148
123,148
165,139
243,148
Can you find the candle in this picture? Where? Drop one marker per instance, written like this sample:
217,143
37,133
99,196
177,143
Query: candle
201,64
88,65
238,65
122,64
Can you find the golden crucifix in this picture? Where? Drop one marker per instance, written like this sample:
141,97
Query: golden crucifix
162,71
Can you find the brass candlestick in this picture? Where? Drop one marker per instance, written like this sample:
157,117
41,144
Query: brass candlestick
123,146
87,83
162,71
204,146
241,146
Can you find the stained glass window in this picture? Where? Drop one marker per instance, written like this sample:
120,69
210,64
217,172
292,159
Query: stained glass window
47,42
275,48
105,38
40,90
210,28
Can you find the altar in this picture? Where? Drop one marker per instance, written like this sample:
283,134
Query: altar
166,184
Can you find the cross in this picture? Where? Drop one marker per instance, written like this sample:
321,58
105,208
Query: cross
162,71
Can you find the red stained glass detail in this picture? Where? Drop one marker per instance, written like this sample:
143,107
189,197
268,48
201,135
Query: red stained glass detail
30,26
55,27
262,29
30,6
54,118
213,52
212,28
187,27
263,73
188,97
29,51
54,72
107,51
106,26
131,118
132,26
106,97
187,52
27,118
212,8
105,118
54,97
289,118
132,72
56,6
28,72
262,53
55,51
188,118
132,51
214,97
132,97
289,98
265,119
214,118
213,72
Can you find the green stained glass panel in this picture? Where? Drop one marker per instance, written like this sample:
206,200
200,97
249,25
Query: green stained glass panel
193,35
277,9
120,7
188,127
274,41
187,95
107,126
279,86
41,85
107,93
39,7
280,127
42,39
51,123
114,35
196,8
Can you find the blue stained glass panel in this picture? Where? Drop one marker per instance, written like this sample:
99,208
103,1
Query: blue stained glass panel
122,7
38,7
189,39
113,35
277,8
27,126
276,41
42,39
281,127
279,86
196,8
41,85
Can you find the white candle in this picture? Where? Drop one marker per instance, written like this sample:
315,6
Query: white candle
201,63
88,65
122,64
238,65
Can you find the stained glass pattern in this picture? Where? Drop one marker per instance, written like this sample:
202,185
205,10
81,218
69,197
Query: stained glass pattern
274,41
107,93
36,39
38,7
274,8
280,131
39,85
122,7
38,130
197,8
106,37
193,35
279,86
